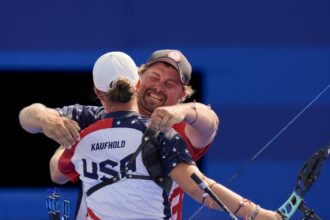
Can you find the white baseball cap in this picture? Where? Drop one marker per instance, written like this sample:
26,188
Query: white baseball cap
112,66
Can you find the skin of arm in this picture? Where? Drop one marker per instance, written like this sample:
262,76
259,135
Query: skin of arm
202,121
55,173
39,118
181,175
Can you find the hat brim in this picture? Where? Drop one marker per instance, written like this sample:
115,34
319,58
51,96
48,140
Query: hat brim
165,60
168,61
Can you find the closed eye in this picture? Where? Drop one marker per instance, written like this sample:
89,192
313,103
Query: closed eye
169,85
153,78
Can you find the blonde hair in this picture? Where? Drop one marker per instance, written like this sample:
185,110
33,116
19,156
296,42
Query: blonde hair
121,90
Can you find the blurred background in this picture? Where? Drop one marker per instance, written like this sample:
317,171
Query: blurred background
257,63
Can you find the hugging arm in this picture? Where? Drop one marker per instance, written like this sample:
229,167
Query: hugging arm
56,175
38,118
201,121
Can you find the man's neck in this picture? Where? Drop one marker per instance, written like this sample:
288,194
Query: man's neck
144,112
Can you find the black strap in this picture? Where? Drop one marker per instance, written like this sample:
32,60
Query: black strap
146,136
151,160
131,176
102,184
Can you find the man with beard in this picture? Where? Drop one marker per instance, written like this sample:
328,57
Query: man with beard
164,86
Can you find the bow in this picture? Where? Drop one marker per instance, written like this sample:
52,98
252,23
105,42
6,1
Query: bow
307,176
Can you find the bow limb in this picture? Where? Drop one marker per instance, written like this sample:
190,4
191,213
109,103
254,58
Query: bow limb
308,174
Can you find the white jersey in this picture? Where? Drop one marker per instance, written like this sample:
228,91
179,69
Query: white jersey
104,149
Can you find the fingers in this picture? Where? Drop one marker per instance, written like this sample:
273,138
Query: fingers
156,123
64,131
163,118
162,123
70,133
74,129
158,120
65,141
58,136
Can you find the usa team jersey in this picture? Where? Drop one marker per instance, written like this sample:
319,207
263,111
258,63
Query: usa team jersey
104,149
86,115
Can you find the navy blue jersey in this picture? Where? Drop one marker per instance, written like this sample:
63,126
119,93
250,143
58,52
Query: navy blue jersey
83,114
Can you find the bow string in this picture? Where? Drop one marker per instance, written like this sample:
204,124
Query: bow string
307,175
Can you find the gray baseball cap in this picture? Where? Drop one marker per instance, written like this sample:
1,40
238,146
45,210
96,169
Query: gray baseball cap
176,59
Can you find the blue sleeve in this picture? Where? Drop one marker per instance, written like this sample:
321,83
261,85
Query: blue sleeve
173,151
83,114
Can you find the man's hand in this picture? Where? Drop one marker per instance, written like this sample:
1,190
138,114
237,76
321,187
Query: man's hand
62,130
37,118
163,118
202,121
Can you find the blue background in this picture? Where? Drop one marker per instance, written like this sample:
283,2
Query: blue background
261,63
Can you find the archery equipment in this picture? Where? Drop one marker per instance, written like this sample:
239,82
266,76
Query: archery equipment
307,176
202,185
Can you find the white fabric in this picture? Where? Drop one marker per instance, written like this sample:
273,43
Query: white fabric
128,198
112,66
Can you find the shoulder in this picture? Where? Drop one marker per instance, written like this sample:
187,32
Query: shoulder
80,109
171,137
